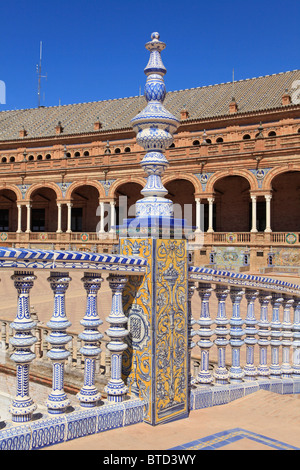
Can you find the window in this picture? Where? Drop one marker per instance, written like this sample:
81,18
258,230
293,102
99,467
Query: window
30,158
39,157
117,150
12,159
86,153
4,160
127,149
196,142
246,136
172,146
77,154
4,220
48,156
219,139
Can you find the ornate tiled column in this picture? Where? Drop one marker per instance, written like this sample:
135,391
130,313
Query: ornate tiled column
23,406
157,305
89,395
205,333
275,370
116,389
250,332
236,373
191,323
296,342
58,338
263,334
221,331
287,336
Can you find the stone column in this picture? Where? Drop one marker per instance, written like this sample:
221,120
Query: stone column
198,214
23,406
210,214
112,217
254,228
28,229
58,338
58,218
19,229
102,217
268,198
69,220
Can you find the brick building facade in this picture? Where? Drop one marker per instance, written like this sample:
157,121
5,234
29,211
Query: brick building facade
66,172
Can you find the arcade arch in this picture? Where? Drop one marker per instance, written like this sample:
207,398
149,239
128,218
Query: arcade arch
285,203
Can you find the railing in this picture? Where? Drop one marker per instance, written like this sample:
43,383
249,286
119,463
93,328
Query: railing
246,335
24,263
258,342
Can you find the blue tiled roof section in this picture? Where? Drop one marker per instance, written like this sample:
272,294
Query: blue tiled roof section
246,280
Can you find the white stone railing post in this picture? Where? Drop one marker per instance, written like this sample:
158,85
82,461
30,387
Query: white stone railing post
221,373
236,373
287,335
250,332
23,406
116,389
89,395
263,334
58,402
275,370
205,333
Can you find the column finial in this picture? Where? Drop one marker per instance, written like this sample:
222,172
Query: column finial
154,127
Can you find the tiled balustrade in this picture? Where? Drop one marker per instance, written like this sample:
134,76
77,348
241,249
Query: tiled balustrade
249,336
93,414
244,330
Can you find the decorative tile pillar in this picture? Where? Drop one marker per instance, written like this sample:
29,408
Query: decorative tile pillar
205,333
23,406
116,389
156,362
275,370
89,395
287,336
296,342
221,373
250,332
58,338
264,298
236,373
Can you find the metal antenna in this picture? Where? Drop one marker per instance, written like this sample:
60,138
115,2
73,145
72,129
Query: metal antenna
39,71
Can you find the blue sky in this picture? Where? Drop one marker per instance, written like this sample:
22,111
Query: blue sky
94,50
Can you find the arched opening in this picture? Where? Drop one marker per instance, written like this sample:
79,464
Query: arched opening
85,202
196,142
219,140
126,196
43,210
285,203
232,204
8,211
246,136
182,193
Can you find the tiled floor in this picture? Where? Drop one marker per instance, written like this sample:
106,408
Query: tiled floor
229,440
